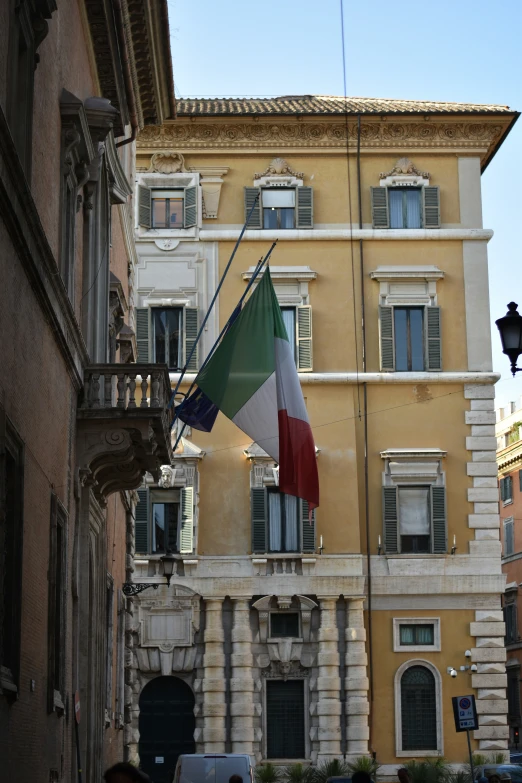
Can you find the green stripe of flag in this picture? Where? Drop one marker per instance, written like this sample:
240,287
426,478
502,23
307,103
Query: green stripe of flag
246,356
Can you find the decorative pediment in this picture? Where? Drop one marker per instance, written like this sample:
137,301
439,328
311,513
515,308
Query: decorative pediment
279,168
168,163
404,173
188,450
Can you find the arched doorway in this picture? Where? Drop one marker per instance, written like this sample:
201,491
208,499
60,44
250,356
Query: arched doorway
166,725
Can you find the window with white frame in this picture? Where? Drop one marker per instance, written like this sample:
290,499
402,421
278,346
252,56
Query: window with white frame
164,521
167,208
278,206
166,335
416,634
292,291
418,710
410,337
405,199
414,502
168,202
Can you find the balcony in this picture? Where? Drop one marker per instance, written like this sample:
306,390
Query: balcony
123,426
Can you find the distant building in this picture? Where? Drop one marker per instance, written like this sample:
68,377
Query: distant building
277,638
78,79
509,458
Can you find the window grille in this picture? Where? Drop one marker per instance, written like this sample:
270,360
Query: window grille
418,709
285,719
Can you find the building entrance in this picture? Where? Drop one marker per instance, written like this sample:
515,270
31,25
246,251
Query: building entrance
166,725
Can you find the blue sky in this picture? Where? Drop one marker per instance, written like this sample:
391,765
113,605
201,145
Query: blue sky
455,50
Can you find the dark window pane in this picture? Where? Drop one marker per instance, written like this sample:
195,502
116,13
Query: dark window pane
288,314
270,218
285,719
419,709
159,213
415,544
416,634
284,624
175,208
401,339
165,532
417,340
166,324
287,217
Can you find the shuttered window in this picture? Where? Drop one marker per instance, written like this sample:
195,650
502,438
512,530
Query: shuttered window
279,208
510,618
405,207
170,208
513,695
298,323
414,519
280,523
506,489
164,521
410,338
418,709
509,537
285,719
166,335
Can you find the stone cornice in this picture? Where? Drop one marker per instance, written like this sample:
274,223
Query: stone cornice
270,133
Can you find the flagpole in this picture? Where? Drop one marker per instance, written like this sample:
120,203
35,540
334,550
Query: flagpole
256,272
207,315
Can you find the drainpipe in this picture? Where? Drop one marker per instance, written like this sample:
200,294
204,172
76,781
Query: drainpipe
129,90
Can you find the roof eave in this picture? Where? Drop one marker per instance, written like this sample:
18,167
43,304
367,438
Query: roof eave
514,118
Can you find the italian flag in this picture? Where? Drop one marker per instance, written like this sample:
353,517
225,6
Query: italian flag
252,379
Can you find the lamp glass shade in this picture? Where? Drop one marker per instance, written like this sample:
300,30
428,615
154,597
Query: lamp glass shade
510,328
168,561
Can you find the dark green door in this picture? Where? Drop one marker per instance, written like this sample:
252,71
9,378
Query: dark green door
166,726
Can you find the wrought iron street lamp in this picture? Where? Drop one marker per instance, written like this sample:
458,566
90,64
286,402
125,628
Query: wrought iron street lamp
168,562
510,328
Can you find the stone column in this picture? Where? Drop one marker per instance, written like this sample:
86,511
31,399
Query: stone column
213,685
242,681
356,682
328,683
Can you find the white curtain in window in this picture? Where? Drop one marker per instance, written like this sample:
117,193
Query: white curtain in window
292,538
424,634
274,514
407,634
413,209
289,322
273,197
395,207
414,518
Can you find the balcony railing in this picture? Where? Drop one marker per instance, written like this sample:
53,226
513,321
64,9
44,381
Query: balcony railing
127,386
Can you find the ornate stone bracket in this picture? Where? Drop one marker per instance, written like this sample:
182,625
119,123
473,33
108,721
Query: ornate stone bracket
404,173
279,168
168,163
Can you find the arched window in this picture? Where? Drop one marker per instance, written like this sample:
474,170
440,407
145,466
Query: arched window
418,709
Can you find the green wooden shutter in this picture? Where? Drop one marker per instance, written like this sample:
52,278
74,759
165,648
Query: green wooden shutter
256,217
307,529
502,489
438,520
142,334
430,207
190,207
433,339
509,488
509,540
387,338
304,207
258,511
144,206
141,523
390,520
191,332
304,339
520,480
186,539
380,214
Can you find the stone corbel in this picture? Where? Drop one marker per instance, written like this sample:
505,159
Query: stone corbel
211,180
263,609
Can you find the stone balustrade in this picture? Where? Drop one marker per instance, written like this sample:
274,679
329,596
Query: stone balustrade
126,387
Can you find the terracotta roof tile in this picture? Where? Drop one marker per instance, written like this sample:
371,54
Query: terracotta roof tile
326,104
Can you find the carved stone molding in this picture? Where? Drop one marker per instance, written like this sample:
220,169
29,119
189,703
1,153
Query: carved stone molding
279,168
405,167
168,163
211,180
195,135
283,670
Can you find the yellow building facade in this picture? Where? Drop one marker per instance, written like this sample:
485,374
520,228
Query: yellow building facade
295,642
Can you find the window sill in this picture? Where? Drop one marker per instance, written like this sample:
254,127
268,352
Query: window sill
277,639
507,502
417,753
416,648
